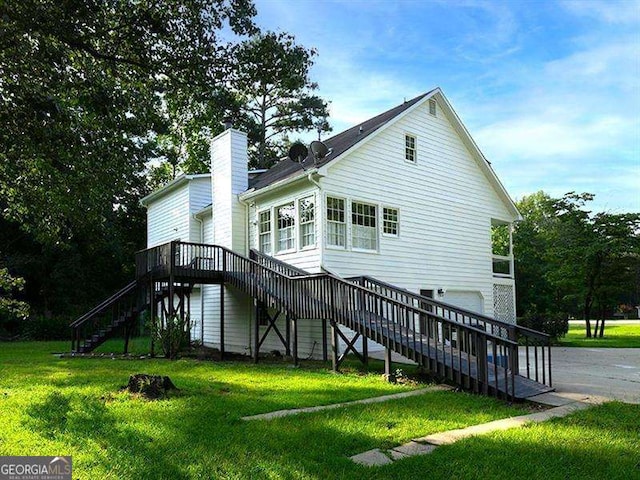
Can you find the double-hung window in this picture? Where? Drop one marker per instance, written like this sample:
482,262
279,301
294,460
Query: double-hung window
306,213
336,222
286,227
264,226
390,221
364,232
410,154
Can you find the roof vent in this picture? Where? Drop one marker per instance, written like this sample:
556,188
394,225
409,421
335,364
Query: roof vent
360,130
227,122
432,106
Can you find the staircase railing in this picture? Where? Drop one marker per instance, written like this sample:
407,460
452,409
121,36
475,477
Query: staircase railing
473,357
109,314
275,264
536,345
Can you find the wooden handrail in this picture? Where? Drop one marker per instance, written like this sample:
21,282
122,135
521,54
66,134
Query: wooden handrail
493,321
105,304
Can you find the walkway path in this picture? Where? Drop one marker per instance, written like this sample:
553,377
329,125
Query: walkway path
426,445
383,398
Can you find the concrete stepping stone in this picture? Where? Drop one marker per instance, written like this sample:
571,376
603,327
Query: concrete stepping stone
372,458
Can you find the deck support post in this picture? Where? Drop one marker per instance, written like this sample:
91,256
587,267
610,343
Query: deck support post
256,332
325,355
365,351
287,333
188,312
127,333
334,346
152,315
171,291
294,350
221,321
387,364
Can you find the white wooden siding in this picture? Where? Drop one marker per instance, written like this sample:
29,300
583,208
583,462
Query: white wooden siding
199,197
168,217
445,201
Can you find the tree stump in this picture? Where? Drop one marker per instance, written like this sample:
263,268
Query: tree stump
152,387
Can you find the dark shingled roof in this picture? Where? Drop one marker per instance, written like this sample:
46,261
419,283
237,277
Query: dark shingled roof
338,144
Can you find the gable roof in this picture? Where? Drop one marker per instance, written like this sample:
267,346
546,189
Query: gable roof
337,145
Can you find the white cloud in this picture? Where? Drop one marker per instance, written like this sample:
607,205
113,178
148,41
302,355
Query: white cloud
609,11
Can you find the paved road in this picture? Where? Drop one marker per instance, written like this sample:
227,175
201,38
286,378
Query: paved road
609,373
603,372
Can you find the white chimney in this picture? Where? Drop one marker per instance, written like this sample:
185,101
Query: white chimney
229,178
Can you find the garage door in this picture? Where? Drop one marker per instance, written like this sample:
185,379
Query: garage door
467,299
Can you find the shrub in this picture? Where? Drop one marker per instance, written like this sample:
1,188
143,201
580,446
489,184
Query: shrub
555,324
173,335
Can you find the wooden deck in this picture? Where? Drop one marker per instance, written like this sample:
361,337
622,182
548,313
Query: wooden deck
474,352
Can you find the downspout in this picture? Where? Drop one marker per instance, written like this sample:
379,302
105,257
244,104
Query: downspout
321,239
201,222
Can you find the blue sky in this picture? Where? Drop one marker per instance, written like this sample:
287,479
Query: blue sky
550,90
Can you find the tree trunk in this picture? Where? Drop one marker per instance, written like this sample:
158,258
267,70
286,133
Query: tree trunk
601,328
263,133
587,315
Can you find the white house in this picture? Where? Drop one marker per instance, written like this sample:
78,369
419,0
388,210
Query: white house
406,197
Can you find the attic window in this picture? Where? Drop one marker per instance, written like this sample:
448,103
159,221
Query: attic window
410,148
432,107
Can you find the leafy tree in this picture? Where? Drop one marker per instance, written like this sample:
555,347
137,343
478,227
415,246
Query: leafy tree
275,93
87,91
568,259
83,84
10,306
534,292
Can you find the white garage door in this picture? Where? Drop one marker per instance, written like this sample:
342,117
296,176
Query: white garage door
467,299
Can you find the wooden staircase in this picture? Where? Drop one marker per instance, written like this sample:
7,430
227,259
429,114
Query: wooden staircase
473,351
116,313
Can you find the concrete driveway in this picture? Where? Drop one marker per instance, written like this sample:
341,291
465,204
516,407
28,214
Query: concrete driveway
612,373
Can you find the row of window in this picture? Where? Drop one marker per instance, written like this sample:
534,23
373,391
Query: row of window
363,218
286,226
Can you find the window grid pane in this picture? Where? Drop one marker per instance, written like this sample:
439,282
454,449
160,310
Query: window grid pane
364,232
336,224
307,222
265,232
286,227
410,148
390,221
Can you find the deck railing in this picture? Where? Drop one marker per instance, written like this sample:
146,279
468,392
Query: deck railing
536,345
472,356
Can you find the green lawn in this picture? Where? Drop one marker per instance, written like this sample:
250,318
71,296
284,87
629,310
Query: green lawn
616,336
60,406
602,443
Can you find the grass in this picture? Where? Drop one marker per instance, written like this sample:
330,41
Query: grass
615,336
55,406
599,443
